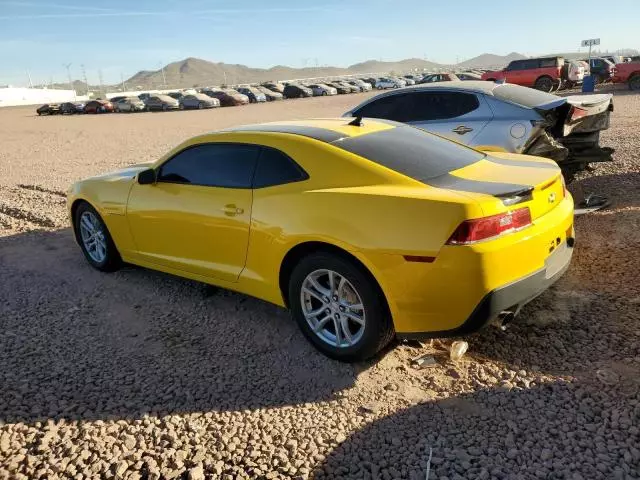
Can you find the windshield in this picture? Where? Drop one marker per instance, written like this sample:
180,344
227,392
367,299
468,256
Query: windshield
527,97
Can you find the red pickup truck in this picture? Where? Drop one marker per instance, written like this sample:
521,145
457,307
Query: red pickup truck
628,73
542,73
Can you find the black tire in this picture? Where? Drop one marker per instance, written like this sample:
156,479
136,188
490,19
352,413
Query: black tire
544,83
200,106
165,108
112,260
378,330
634,82
324,94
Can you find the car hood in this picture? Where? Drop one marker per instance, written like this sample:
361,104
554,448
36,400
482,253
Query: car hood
124,173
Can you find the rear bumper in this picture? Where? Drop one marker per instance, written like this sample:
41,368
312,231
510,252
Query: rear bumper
511,297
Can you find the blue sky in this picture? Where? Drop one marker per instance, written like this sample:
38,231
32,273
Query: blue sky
120,38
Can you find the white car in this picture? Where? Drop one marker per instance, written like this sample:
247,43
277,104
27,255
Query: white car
319,89
384,83
362,85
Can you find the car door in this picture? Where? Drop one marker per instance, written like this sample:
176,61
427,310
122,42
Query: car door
196,216
457,115
454,114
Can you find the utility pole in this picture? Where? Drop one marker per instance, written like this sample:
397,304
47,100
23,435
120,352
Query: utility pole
122,81
100,79
164,79
68,67
30,82
84,77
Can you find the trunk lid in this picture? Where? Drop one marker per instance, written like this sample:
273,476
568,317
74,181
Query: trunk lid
588,113
503,182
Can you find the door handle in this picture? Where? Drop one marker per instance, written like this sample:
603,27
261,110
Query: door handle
231,210
462,129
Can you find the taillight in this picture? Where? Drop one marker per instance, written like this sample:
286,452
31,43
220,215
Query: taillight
479,229
577,112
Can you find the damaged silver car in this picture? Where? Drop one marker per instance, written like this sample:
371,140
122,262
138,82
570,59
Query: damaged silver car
503,117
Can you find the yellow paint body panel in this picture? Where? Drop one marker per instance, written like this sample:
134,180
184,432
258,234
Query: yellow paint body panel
372,212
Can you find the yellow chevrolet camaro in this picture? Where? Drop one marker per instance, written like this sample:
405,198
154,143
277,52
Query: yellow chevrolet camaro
365,229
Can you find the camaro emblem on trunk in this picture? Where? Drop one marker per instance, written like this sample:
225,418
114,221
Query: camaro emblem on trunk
552,197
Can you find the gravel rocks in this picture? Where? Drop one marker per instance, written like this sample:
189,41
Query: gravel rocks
139,375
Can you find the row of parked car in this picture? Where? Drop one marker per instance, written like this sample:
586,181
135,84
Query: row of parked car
208,97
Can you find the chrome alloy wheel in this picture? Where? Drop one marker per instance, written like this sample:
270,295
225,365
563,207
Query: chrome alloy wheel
93,237
333,308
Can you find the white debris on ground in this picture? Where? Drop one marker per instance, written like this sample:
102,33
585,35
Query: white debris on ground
138,375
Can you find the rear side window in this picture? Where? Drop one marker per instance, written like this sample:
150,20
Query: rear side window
212,165
548,62
441,105
276,168
424,155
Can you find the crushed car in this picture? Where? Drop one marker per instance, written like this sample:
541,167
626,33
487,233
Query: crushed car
503,117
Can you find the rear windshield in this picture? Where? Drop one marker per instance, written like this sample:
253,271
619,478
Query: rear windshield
527,97
411,152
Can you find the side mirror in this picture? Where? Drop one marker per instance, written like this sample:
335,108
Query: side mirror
147,177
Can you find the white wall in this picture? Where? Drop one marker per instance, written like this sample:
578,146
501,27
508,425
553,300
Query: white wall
35,96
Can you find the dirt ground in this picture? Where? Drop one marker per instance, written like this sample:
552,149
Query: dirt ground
140,375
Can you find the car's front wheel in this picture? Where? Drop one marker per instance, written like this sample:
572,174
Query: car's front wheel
94,239
339,307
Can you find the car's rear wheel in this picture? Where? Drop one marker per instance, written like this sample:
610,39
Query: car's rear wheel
634,82
94,239
544,84
339,307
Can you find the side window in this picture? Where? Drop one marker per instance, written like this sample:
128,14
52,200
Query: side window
548,62
441,105
212,165
515,65
381,108
276,168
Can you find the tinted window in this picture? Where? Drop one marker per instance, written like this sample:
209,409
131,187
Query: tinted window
523,65
275,168
424,155
548,62
214,165
420,106
382,108
440,105
516,65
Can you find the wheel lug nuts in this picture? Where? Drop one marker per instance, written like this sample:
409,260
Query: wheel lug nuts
341,308
335,298
337,317
327,311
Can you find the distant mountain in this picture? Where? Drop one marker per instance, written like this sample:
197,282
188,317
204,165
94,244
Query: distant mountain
197,72
488,60
372,66
627,52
